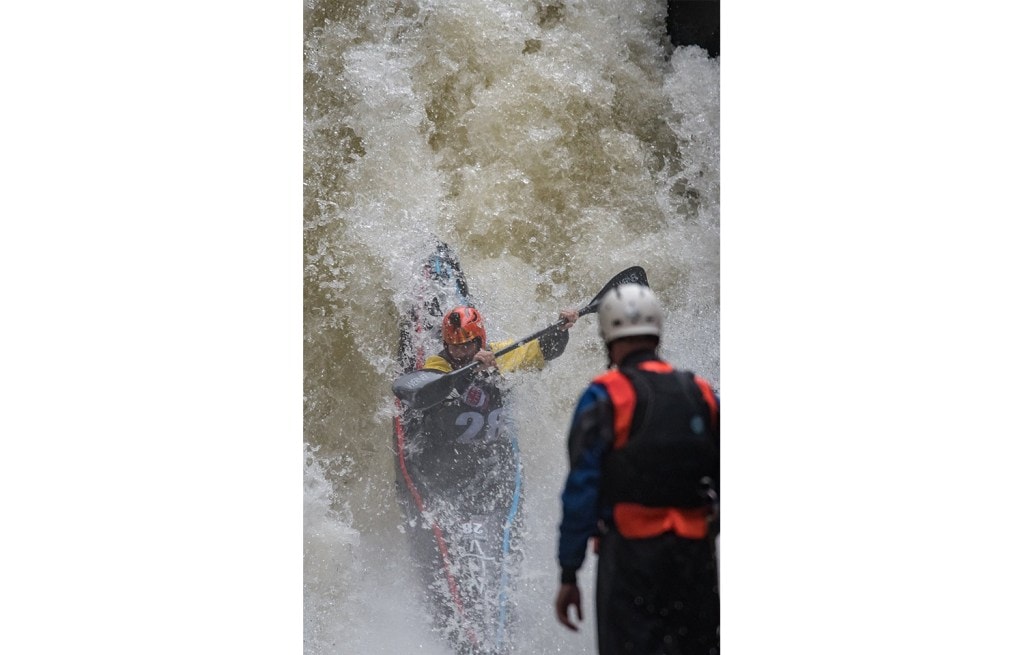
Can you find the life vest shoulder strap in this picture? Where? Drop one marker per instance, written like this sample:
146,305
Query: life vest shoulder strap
623,398
655,366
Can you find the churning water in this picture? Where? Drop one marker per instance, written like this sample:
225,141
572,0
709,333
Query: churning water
552,145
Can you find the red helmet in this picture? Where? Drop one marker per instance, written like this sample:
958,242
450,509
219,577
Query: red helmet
462,325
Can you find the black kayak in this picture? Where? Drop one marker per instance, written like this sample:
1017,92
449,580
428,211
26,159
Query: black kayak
459,479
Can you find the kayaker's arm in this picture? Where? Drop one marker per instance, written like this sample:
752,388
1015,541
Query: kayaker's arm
552,344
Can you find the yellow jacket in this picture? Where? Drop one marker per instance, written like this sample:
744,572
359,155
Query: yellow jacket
525,356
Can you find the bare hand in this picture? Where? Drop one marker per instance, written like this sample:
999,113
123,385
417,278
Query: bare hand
570,316
485,357
568,596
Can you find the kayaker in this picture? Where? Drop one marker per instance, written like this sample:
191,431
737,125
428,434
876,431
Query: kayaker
462,480
465,340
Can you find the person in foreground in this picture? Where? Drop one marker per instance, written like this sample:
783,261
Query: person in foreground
644,466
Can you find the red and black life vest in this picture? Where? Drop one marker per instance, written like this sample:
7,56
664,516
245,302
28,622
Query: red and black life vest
666,450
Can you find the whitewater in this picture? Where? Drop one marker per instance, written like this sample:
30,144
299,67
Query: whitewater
551,144
151,259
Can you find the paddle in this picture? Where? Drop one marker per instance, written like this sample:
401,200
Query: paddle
424,389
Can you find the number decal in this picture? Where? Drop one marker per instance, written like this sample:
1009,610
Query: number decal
474,423
494,424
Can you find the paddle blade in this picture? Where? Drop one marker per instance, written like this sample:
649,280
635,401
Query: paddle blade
407,386
632,275
423,389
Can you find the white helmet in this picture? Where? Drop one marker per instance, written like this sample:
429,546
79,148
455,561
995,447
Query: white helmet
629,310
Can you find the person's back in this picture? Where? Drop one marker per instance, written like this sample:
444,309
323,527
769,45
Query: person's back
643,466
672,443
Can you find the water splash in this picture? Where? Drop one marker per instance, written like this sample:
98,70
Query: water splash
552,144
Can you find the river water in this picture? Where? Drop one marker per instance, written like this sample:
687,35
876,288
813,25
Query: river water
552,145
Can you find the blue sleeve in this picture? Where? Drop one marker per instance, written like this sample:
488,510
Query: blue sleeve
590,436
